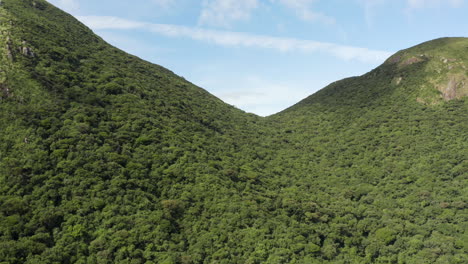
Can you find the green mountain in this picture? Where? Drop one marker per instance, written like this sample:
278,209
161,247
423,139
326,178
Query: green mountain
106,158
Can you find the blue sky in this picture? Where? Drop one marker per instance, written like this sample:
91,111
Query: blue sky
265,55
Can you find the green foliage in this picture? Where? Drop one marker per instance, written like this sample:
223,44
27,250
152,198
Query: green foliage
105,158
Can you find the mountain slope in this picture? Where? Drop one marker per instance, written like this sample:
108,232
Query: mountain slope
389,149
94,140
105,158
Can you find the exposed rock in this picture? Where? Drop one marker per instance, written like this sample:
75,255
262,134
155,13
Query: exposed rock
447,60
394,59
397,80
27,51
450,92
412,60
456,87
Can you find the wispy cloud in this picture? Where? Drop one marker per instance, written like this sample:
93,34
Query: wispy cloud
414,4
238,39
370,7
67,5
165,4
133,46
255,93
110,22
304,10
222,13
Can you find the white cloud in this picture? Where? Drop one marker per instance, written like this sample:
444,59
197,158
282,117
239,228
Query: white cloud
222,13
303,9
67,5
256,94
238,39
414,4
146,50
370,7
109,22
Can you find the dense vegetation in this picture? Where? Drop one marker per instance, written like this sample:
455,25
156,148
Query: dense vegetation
105,158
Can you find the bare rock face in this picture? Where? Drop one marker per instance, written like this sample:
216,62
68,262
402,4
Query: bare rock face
403,60
455,83
446,60
450,92
456,87
27,51
397,80
412,60
394,59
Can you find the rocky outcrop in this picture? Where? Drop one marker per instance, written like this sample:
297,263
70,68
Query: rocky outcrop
397,80
456,87
403,60
394,59
27,51
412,60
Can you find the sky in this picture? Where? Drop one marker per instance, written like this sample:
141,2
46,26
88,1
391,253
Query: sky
263,56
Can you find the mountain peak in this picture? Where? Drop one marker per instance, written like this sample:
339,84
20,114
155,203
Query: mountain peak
430,73
443,49
443,76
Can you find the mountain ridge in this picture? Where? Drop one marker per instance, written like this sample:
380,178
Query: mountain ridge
408,60
398,67
106,158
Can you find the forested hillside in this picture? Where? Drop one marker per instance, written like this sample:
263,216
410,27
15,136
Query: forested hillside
106,158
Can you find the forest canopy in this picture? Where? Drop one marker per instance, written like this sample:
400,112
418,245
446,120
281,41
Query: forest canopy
106,158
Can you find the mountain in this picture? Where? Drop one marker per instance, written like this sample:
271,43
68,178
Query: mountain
388,151
106,158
